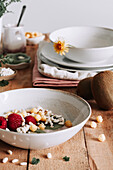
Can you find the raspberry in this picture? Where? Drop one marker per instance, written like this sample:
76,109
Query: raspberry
3,123
30,119
14,121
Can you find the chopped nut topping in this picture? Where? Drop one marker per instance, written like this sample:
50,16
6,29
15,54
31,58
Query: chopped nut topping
33,128
43,119
42,126
34,110
37,117
68,123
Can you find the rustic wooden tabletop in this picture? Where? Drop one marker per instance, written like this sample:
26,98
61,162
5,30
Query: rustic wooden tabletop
84,150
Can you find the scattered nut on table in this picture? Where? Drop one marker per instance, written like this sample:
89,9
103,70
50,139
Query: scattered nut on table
99,119
23,163
93,124
102,138
9,152
15,160
5,160
49,155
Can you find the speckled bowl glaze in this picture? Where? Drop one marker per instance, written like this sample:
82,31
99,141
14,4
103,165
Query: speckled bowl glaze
71,106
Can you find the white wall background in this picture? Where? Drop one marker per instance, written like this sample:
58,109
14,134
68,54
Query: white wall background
48,15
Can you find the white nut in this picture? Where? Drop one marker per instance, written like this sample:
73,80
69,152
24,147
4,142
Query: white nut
9,152
102,138
7,129
93,124
61,123
5,160
58,116
56,120
34,110
23,123
15,160
99,119
49,155
23,163
15,111
18,130
21,57
30,123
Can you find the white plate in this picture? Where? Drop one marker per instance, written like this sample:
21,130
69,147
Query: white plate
49,53
71,106
46,61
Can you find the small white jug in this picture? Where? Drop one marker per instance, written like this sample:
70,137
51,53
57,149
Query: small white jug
14,39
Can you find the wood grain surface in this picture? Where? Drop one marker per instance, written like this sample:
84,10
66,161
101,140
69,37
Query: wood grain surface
84,150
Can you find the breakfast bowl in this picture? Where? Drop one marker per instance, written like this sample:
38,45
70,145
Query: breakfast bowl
86,44
34,38
70,106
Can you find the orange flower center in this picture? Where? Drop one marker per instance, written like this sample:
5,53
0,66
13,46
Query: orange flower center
59,46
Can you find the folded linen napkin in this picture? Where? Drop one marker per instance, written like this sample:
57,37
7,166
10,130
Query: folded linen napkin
45,75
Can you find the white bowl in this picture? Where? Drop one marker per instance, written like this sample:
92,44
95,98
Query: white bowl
35,40
89,44
69,105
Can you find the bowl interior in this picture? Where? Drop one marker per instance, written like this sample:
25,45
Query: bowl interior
70,106
84,37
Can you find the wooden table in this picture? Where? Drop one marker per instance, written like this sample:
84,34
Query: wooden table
84,150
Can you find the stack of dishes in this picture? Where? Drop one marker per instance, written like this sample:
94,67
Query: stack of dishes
91,49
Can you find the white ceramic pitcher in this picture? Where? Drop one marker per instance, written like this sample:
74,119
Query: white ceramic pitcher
14,39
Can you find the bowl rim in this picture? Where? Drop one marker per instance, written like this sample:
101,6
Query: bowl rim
55,132
92,48
38,37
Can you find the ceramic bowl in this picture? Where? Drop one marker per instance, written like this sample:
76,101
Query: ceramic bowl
18,66
88,44
10,77
35,40
71,106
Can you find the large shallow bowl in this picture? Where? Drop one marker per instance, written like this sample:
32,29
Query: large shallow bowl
70,106
89,44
